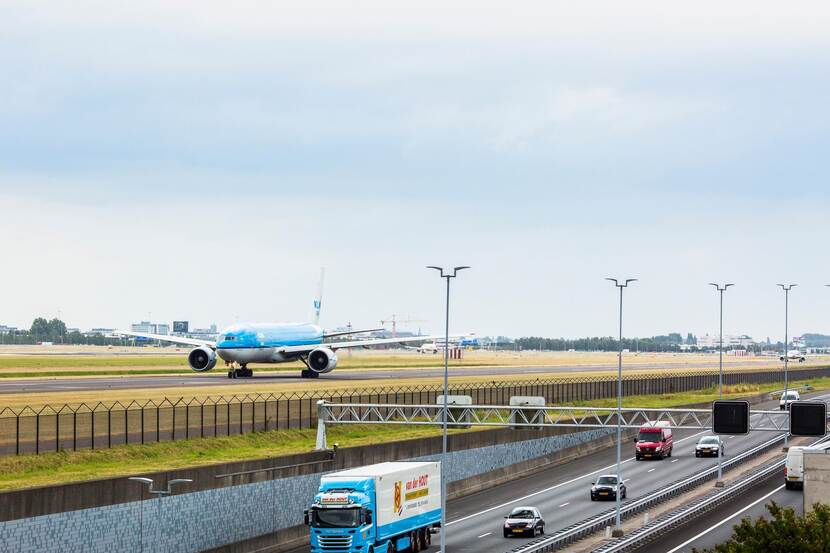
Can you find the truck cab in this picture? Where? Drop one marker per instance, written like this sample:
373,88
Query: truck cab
341,518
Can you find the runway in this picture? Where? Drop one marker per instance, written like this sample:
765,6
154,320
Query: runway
218,377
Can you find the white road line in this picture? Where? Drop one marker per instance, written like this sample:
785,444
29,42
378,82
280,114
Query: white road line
572,480
727,519
565,504
651,470
675,460
485,535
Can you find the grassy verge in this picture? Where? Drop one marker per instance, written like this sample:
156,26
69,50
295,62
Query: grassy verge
72,466
54,468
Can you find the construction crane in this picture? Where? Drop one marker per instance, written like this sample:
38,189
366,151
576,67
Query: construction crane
395,322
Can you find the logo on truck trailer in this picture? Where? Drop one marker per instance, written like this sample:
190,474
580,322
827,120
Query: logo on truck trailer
398,504
417,487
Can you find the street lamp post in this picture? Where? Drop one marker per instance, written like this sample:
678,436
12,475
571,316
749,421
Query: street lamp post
786,288
446,276
618,527
158,493
721,290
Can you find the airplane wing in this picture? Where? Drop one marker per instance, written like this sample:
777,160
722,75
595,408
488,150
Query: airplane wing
166,338
347,332
364,343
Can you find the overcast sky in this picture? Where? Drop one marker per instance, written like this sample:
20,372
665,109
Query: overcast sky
202,160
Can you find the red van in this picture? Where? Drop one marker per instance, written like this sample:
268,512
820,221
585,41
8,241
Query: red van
654,441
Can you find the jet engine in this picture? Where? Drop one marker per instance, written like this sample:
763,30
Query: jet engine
202,359
322,360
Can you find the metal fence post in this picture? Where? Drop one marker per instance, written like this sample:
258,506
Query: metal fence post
321,426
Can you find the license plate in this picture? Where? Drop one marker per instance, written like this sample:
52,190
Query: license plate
647,455
792,478
518,530
603,493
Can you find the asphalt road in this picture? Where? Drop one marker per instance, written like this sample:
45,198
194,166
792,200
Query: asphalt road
219,377
562,492
716,527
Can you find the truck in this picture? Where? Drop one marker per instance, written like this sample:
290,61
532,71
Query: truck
382,508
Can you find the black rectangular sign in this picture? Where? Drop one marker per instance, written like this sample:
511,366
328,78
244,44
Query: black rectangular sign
808,418
730,417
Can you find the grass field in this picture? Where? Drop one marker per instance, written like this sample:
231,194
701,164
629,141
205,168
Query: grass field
61,467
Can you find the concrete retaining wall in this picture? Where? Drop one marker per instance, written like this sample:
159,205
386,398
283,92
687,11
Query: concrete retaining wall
214,518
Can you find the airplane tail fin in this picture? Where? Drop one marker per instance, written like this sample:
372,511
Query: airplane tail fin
318,301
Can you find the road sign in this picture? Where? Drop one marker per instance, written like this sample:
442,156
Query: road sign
808,418
730,417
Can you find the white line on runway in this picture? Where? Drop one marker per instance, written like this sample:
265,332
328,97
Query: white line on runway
727,519
565,504
534,494
485,535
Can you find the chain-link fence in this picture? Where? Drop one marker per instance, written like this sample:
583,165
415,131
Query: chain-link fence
103,425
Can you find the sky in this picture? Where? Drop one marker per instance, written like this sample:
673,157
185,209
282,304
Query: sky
202,161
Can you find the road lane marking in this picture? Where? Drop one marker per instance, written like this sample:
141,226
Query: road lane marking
565,504
571,481
727,519
675,460
485,535
651,470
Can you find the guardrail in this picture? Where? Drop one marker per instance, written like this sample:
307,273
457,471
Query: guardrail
684,514
582,529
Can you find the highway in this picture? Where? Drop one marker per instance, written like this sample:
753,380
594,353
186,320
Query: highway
562,493
218,377
716,527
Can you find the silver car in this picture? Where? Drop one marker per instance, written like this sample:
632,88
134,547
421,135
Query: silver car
709,446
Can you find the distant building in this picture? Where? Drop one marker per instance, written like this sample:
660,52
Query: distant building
105,332
147,327
730,341
204,333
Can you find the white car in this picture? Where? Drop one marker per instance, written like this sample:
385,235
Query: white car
709,445
787,398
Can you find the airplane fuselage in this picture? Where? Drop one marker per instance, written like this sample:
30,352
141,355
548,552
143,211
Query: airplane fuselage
260,342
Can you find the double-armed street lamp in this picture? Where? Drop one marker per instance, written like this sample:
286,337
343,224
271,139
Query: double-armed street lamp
721,289
445,275
786,288
621,285
158,493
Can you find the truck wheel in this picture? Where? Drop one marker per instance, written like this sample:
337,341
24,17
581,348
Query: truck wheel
390,548
414,544
427,537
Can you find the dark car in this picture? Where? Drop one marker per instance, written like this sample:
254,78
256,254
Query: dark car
709,446
606,488
524,521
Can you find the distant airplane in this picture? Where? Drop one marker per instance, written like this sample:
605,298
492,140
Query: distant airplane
241,344
794,355
427,347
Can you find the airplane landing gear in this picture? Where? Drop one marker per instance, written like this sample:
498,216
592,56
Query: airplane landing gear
307,372
242,372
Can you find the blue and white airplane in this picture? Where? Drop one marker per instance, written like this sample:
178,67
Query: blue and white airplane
241,344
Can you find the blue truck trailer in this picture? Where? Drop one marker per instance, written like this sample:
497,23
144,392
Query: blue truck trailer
383,508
